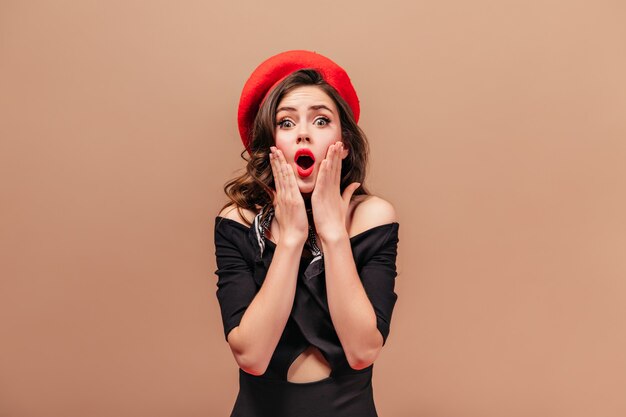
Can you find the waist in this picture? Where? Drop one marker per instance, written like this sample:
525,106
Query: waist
346,394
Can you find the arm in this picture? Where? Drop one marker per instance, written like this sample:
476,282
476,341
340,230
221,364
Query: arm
361,306
254,321
253,342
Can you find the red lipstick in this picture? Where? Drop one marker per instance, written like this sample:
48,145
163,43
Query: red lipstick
305,160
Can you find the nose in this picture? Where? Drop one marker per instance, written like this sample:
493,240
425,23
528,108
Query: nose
303,134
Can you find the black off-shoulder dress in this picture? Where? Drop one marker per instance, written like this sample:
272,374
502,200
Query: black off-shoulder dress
243,257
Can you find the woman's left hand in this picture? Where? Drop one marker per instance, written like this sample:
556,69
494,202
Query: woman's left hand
330,208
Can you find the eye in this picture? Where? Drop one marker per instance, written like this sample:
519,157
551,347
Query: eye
282,122
325,121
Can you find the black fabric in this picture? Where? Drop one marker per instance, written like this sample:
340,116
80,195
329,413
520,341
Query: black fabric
243,257
348,395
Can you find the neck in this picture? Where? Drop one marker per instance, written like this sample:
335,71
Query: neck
309,209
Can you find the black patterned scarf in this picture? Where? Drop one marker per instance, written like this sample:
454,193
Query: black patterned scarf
261,226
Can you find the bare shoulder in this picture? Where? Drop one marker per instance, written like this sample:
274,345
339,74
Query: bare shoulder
371,211
231,212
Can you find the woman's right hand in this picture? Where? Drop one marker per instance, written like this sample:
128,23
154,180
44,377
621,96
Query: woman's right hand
287,200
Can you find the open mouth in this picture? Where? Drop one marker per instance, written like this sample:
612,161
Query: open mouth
305,160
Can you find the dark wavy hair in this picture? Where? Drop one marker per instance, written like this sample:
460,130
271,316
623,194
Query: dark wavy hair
251,189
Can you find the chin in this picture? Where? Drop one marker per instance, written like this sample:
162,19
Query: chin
306,188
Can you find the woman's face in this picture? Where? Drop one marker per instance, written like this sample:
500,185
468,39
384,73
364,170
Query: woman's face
307,118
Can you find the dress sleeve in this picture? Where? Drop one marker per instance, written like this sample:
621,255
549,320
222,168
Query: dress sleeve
235,278
378,276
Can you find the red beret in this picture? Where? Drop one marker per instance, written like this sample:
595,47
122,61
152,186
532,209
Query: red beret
274,69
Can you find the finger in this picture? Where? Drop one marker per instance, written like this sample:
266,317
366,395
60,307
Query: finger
293,185
338,163
291,180
277,171
332,163
286,172
349,191
274,169
321,176
325,166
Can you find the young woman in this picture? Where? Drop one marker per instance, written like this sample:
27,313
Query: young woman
306,257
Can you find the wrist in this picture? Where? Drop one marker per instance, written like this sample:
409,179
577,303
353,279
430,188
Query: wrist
335,237
292,241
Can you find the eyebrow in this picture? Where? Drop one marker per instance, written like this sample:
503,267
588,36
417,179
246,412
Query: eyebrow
314,107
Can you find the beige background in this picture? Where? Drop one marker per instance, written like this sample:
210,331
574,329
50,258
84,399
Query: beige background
497,131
